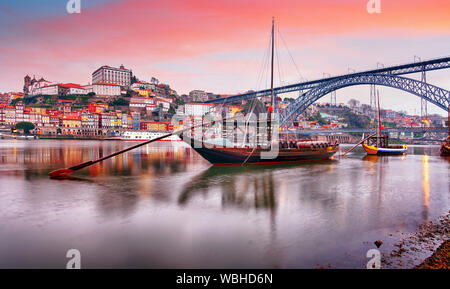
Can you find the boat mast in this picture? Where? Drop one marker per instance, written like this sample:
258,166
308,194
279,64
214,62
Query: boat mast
269,122
379,119
379,113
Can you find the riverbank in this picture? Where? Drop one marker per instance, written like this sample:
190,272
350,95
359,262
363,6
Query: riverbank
71,137
56,137
427,248
439,260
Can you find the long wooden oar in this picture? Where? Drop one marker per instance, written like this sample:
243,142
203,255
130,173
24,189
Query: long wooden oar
343,155
66,171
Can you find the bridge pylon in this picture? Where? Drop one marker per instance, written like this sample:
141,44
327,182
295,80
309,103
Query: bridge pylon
373,101
423,102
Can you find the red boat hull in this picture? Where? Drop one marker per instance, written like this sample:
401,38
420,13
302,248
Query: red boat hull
445,149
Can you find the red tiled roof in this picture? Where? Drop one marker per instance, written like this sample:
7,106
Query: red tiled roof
196,103
70,85
50,85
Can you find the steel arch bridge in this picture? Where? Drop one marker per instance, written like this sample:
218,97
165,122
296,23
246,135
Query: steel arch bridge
429,92
386,76
428,65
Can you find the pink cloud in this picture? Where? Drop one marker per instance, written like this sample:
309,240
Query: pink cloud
140,33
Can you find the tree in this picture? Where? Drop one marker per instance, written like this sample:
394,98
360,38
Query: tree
84,100
26,101
14,101
290,99
255,106
355,121
179,101
91,94
118,101
25,126
317,117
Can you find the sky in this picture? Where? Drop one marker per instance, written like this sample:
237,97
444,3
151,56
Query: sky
221,45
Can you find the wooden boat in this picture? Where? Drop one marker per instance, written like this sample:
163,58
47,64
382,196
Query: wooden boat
445,147
379,144
288,151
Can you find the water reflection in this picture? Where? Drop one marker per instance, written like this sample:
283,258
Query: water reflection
371,158
241,187
423,150
425,186
40,157
174,210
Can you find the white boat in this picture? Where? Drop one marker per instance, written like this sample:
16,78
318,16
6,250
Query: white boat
147,135
18,137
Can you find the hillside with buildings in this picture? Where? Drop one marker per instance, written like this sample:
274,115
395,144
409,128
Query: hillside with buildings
116,101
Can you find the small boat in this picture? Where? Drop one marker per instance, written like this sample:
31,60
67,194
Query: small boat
379,144
17,137
385,150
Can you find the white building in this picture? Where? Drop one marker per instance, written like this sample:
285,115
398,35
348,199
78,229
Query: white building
71,89
197,109
36,88
143,85
108,74
164,105
141,101
103,89
47,90
60,89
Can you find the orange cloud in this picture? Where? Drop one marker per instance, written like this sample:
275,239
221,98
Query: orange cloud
136,31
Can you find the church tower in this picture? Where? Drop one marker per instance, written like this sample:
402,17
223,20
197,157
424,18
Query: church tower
26,84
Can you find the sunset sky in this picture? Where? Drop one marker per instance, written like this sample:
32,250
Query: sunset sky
219,45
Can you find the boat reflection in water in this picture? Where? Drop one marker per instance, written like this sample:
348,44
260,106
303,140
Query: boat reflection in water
241,187
371,158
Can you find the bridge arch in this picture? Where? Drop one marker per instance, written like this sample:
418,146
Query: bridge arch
436,95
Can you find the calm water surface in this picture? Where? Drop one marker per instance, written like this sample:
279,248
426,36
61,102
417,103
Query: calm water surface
163,206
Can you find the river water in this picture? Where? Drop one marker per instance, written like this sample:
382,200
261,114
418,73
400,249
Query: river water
163,206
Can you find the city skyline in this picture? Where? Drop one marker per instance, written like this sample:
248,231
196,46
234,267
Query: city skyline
219,46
